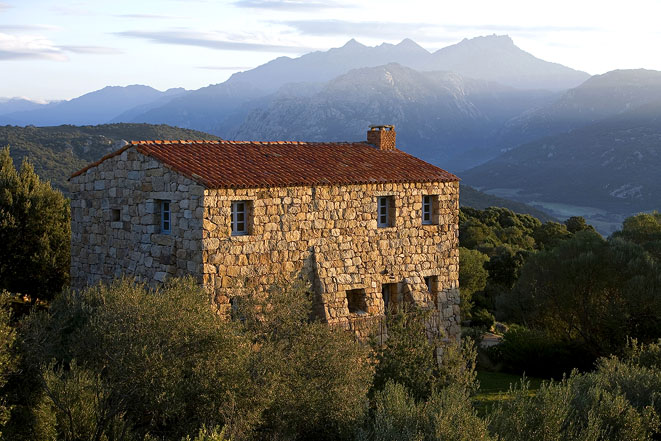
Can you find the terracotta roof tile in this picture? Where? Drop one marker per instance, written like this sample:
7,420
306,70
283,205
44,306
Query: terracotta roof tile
249,164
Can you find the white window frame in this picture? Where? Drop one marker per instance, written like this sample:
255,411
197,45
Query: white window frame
383,211
166,217
427,210
236,222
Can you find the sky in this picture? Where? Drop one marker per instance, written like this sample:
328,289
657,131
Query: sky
53,50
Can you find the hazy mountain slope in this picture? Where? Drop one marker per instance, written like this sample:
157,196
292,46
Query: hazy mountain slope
439,116
92,108
599,97
612,165
321,66
12,105
57,152
490,58
497,58
209,109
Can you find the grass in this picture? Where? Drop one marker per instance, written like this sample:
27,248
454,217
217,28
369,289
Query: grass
495,386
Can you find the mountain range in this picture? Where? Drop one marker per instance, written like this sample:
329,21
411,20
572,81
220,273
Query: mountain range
507,122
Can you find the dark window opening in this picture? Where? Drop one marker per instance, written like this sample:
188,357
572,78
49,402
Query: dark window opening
116,215
357,301
390,296
166,217
432,286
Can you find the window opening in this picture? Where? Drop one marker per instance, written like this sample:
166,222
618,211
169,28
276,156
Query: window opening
427,210
356,301
166,217
239,224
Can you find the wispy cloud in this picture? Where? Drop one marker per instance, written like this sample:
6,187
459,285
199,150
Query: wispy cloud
14,47
374,29
289,5
209,40
27,28
419,30
93,50
225,67
146,16
4,6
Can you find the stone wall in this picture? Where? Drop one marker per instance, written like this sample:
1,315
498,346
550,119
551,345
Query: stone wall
330,234
104,247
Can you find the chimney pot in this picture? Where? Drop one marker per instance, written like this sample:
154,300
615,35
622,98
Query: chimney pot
382,137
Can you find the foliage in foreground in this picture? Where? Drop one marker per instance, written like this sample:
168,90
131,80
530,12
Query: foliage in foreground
121,362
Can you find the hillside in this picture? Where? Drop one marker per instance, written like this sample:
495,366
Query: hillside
607,169
602,96
56,152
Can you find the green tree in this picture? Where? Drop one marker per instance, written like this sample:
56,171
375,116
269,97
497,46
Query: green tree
645,230
577,223
550,235
34,232
472,277
7,355
590,290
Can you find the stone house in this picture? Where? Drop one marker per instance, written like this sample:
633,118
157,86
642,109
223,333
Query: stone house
369,225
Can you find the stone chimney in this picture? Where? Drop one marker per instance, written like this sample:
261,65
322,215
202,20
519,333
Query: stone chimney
382,137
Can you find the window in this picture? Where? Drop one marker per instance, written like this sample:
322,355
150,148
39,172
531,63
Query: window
356,301
385,207
116,215
390,296
432,287
239,218
426,210
166,217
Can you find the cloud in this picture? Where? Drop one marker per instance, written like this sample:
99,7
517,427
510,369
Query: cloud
419,30
208,40
94,50
146,16
225,67
29,48
289,5
375,29
4,6
27,28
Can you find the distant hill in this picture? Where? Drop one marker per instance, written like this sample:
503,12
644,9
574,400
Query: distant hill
608,169
470,197
600,97
96,107
441,117
57,152
12,105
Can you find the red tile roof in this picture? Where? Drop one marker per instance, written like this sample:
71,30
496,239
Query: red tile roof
249,164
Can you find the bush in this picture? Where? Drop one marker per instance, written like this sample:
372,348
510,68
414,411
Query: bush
618,402
315,378
530,352
483,319
446,415
162,358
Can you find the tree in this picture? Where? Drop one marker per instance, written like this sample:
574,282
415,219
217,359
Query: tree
472,277
577,223
645,230
590,290
7,356
34,231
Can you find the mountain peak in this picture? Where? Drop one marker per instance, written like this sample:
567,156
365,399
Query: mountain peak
409,44
352,44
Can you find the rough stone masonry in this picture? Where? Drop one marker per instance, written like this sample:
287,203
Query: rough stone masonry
369,226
